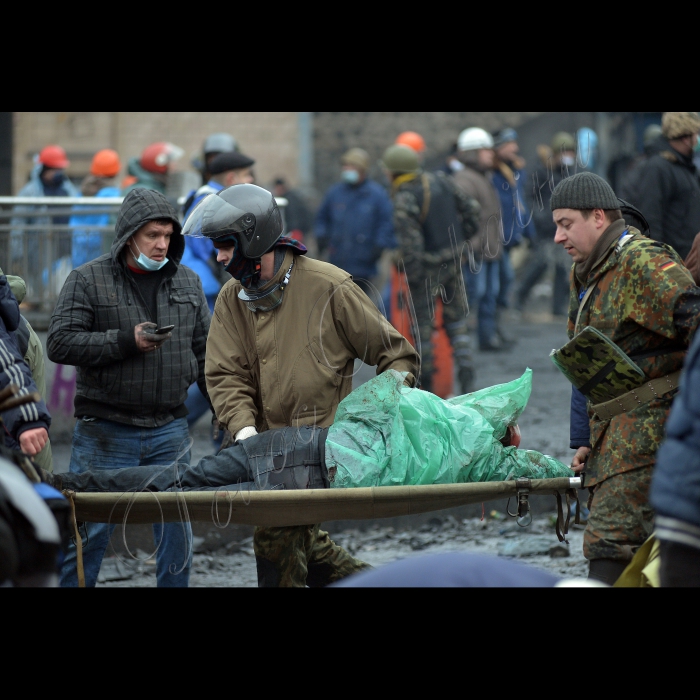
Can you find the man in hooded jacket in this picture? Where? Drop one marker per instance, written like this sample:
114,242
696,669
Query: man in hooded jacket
132,382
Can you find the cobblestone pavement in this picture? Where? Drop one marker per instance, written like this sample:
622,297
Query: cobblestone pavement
544,428
235,567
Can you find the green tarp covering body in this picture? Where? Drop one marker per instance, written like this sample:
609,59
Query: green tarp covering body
386,434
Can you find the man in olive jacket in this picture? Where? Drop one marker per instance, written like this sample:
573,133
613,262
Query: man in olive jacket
132,382
284,338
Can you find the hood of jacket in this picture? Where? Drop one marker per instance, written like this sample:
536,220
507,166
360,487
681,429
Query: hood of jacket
139,207
17,285
9,308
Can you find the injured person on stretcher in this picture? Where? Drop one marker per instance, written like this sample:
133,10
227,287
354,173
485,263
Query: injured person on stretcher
384,434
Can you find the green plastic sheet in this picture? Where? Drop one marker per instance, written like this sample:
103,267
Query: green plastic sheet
387,434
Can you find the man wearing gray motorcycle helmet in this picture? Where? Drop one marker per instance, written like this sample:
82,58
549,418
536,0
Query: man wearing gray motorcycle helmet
284,338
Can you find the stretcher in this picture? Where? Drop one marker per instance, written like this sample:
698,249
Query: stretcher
292,508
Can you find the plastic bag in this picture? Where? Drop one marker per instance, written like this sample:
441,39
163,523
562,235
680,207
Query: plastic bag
386,434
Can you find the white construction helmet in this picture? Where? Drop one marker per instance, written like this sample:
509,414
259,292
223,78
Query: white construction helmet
474,139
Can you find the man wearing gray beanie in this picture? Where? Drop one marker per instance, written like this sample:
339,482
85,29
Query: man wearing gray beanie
633,312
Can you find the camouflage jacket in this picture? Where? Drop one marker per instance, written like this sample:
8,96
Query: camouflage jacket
646,302
417,208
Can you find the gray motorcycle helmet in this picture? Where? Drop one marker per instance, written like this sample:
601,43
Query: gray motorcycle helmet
219,143
247,212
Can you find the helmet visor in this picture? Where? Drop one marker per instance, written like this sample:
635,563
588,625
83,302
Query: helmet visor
215,218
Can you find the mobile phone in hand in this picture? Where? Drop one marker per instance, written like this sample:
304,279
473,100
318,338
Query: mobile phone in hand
164,330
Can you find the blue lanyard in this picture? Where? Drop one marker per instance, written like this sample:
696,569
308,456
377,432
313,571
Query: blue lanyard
583,292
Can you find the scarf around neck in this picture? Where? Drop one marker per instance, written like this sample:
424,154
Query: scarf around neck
600,252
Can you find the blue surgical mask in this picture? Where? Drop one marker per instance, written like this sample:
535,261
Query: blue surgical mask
351,177
146,264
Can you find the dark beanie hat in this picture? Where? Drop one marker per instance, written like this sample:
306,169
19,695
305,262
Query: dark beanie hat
584,191
225,162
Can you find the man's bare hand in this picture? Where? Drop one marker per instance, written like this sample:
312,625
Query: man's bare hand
692,262
580,459
33,441
147,340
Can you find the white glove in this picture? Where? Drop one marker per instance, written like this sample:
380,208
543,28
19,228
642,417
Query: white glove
246,433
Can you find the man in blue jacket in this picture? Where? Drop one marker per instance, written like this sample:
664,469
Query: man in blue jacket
354,225
510,180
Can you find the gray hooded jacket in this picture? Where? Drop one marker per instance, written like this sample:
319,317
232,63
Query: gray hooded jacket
93,325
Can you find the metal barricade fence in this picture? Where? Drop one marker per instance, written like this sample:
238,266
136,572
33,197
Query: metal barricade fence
43,238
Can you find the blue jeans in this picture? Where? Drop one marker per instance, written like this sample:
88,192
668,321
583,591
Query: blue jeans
506,275
103,444
483,287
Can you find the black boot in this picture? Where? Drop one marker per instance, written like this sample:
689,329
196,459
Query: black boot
607,570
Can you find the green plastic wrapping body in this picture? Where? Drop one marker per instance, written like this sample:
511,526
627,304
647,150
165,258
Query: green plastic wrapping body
386,434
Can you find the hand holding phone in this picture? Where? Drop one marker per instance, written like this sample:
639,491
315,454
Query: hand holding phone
149,338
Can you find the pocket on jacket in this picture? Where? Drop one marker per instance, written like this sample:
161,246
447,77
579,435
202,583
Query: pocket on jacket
186,303
185,295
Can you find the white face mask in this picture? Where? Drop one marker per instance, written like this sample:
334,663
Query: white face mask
146,264
351,177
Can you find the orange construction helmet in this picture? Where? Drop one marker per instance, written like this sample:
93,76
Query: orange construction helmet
412,140
54,157
157,157
106,164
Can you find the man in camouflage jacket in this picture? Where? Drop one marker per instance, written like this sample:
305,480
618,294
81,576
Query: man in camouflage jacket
433,219
640,296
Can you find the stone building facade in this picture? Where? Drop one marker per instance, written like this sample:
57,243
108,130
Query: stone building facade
272,138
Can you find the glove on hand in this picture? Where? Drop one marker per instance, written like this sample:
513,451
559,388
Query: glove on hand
246,433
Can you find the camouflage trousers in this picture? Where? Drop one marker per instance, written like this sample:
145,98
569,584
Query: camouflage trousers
425,286
297,557
621,518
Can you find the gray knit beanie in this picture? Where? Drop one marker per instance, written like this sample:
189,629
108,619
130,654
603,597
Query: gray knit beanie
584,191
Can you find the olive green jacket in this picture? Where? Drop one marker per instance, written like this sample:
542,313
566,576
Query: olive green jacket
294,365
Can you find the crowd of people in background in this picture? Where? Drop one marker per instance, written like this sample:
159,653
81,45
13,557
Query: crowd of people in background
355,226
413,239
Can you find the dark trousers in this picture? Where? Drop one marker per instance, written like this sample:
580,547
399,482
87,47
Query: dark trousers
263,462
425,285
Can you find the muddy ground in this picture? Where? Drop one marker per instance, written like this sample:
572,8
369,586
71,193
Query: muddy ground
225,557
